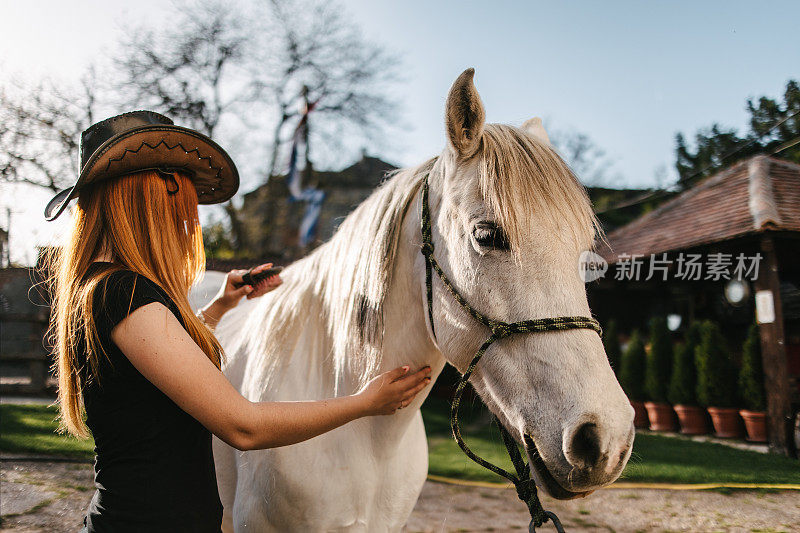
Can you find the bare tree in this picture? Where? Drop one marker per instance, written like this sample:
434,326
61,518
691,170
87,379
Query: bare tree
589,162
190,68
40,128
218,58
315,53
260,63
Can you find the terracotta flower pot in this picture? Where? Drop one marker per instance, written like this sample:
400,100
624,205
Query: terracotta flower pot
662,417
640,419
756,424
693,419
727,423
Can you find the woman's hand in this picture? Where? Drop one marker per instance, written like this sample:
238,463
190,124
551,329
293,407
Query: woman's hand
393,390
228,295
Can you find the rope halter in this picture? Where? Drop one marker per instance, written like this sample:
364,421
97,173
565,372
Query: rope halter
526,487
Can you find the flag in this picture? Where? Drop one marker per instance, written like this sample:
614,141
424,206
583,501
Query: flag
311,196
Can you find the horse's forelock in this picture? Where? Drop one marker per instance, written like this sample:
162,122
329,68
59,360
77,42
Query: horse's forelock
523,179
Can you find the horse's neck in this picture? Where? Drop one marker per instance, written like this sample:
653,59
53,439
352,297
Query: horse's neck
407,339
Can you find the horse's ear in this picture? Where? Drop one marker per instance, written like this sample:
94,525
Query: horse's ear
464,116
534,127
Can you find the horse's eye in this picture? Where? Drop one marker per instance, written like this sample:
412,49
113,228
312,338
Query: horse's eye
489,235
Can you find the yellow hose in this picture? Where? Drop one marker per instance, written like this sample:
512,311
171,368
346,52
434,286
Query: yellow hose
632,485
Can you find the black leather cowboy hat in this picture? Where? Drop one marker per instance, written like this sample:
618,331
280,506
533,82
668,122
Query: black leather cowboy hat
142,140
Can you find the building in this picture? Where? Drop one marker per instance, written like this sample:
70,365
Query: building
270,219
24,316
726,249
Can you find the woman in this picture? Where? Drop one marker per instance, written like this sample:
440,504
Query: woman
133,356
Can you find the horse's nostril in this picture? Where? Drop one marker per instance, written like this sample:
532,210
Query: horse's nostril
585,445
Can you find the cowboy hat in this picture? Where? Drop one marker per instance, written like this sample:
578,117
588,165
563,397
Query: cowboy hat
144,140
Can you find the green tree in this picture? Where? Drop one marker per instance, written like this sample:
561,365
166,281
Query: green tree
774,128
217,242
751,375
611,345
713,149
716,374
631,374
766,113
683,382
658,364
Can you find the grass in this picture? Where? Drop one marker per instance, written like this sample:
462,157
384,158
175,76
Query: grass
671,460
655,458
31,429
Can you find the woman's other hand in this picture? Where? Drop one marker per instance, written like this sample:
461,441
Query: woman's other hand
393,390
228,295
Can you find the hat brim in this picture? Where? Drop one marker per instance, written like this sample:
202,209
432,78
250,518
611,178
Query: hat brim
210,168
58,203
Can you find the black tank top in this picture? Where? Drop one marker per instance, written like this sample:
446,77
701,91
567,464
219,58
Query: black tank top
154,470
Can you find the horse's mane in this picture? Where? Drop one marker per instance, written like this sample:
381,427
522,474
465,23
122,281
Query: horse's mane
363,255
344,282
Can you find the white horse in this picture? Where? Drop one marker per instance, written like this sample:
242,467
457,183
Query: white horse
509,223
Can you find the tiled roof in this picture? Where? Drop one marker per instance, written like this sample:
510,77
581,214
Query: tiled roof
754,195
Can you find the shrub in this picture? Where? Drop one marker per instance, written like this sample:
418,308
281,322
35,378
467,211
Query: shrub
683,381
659,361
751,376
611,345
716,375
631,375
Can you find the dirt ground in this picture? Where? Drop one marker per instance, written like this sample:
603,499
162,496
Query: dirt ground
49,497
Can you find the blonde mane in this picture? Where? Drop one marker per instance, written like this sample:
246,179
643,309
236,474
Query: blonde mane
344,280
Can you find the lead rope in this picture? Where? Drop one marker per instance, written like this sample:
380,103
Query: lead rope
526,487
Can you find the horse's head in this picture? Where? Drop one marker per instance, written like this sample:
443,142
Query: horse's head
510,221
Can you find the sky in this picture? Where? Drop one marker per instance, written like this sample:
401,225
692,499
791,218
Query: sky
630,75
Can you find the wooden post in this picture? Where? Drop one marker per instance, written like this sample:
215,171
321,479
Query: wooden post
37,368
773,354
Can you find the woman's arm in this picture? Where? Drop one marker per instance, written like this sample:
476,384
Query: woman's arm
158,346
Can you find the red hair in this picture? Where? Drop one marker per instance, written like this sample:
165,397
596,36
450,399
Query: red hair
146,230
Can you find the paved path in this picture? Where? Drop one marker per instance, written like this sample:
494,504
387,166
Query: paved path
38,496
26,400
733,443
44,496
453,508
